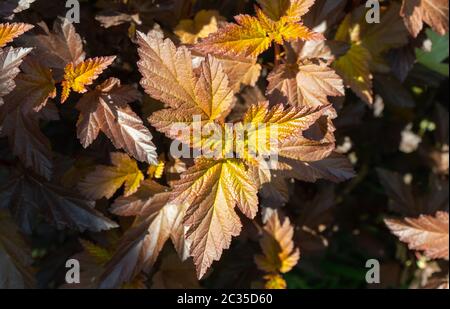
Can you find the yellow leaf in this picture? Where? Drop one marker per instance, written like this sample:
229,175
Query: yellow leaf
294,9
8,32
354,68
275,282
279,254
248,37
204,23
77,77
266,129
106,180
100,254
251,36
156,171
211,190
369,43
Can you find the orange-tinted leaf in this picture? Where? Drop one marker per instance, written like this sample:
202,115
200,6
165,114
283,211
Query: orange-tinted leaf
57,47
305,85
277,246
426,233
246,38
211,190
8,32
294,9
139,248
106,109
432,12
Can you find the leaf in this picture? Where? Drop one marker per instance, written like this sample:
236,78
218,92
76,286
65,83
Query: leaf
27,195
336,168
266,129
111,18
8,32
369,43
307,150
104,181
77,77
354,68
168,76
279,254
10,7
432,12
20,118
434,59
100,254
294,9
246,38
139,248
175,274
404,201
106,109
10,60
378,38
251,36
134,205
15,257
167,71
204,23
211,190
240,71
304,85
199,101
35,86
215,97
425,233
28,142
275,282
57,47
315,218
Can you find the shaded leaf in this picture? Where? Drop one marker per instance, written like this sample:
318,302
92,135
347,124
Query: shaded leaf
27,195
15,257
104,181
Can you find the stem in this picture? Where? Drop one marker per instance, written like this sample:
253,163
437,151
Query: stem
277,54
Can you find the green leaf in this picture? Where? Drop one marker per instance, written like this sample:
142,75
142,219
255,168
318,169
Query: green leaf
433,59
